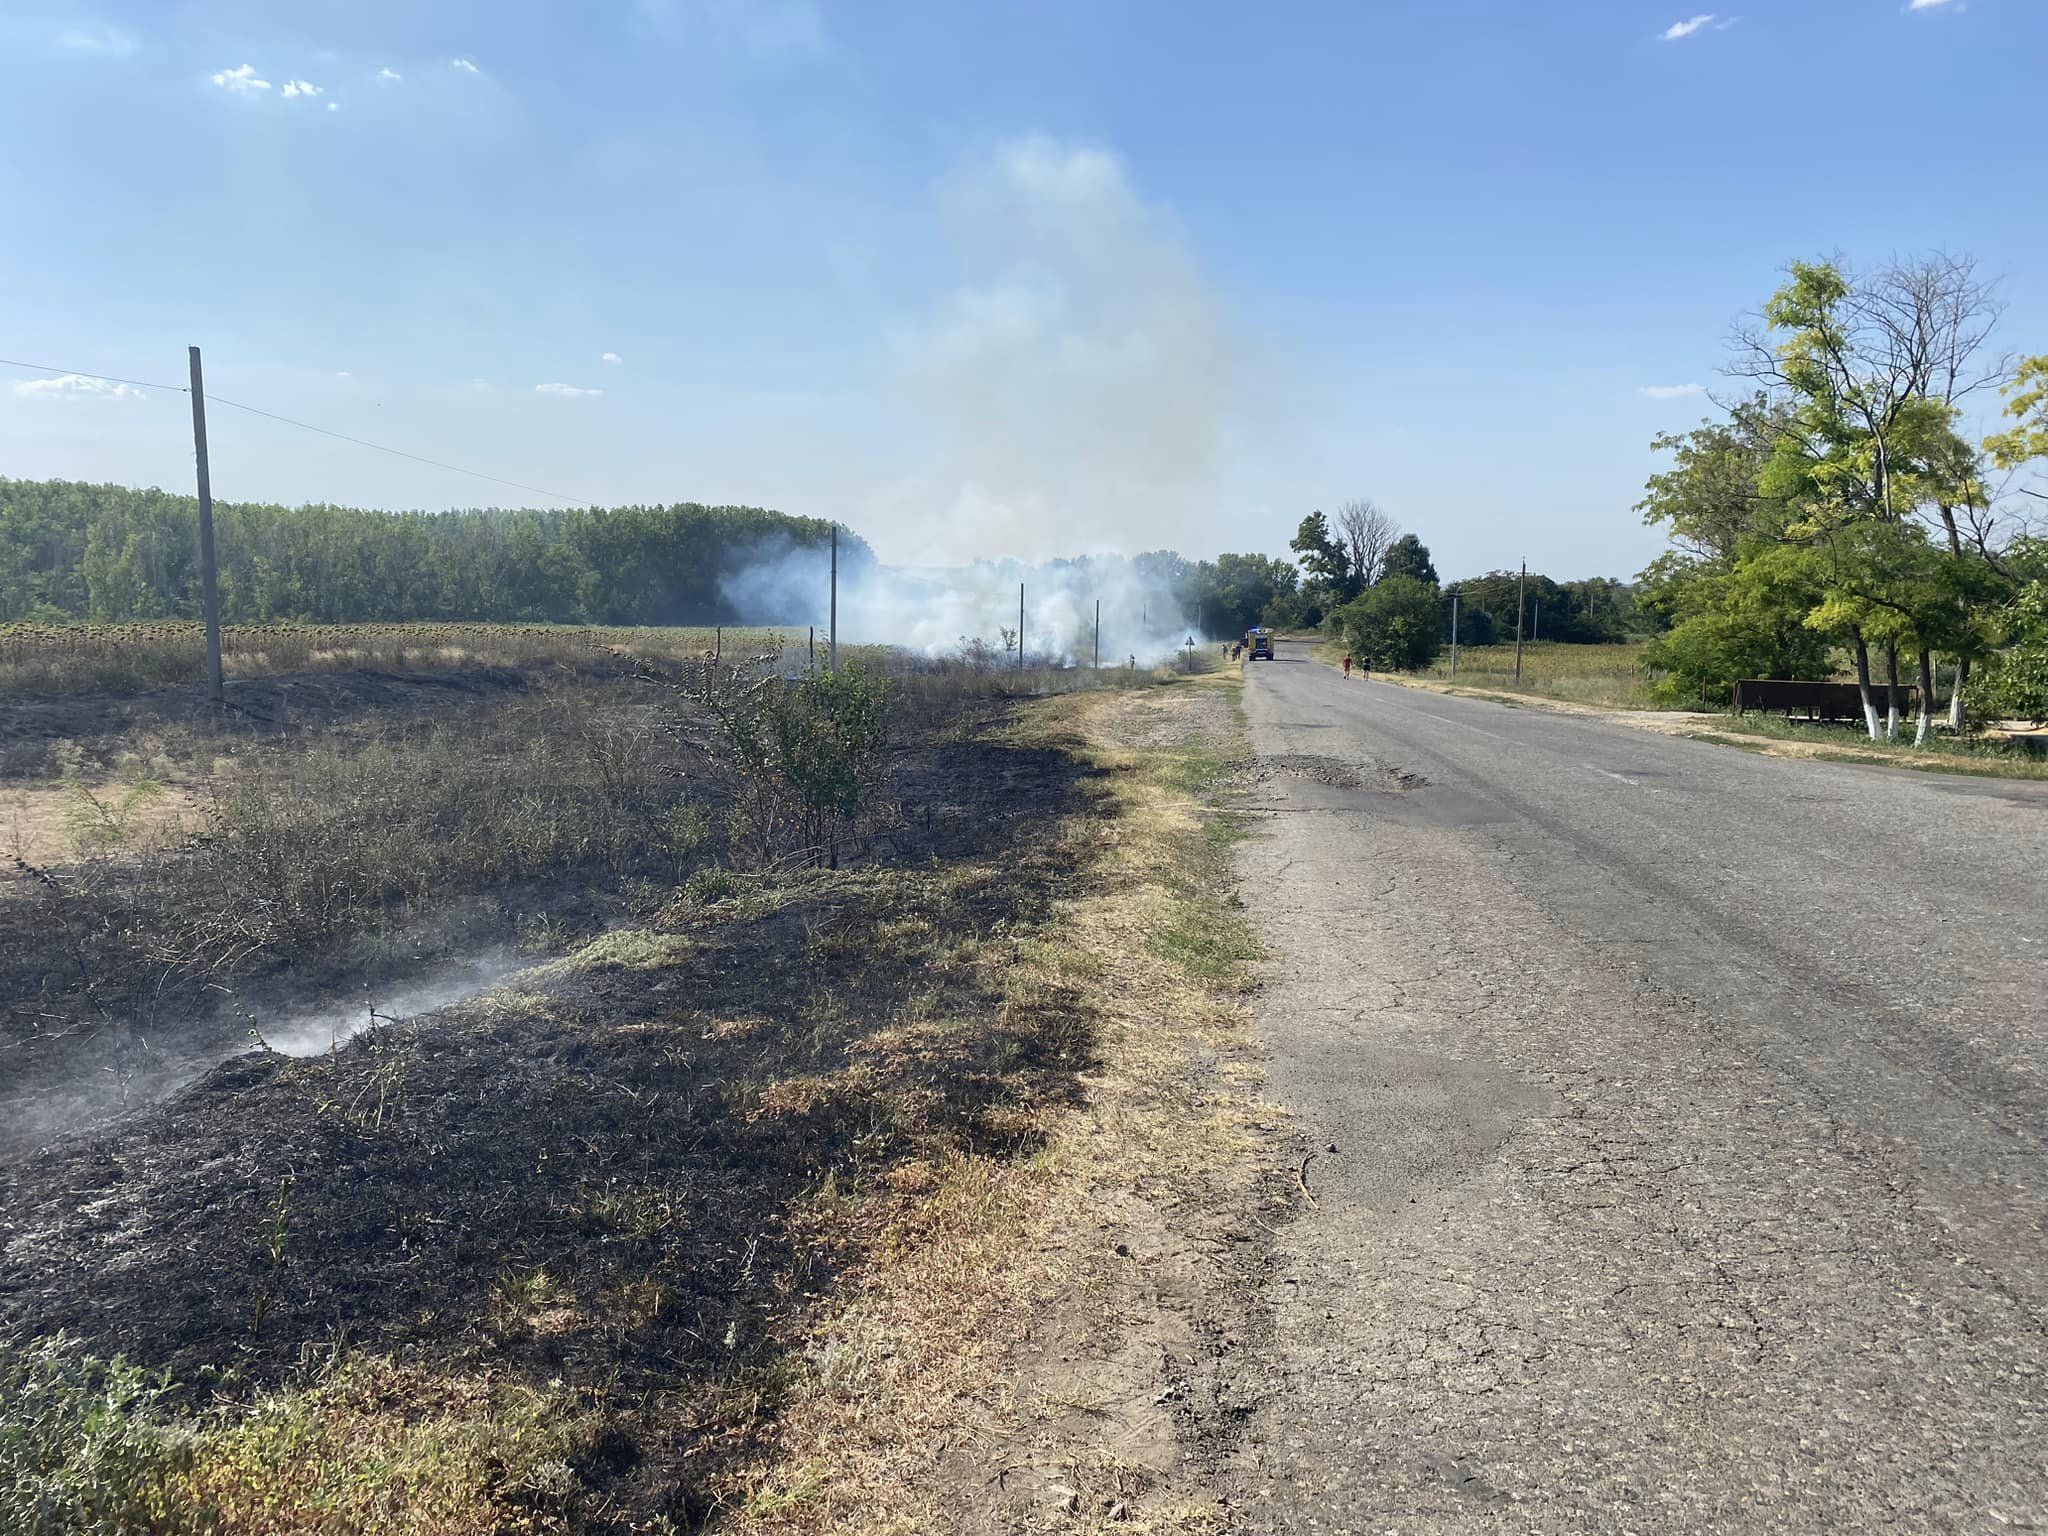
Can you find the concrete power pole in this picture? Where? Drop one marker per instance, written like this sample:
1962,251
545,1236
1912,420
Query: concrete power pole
1521,582
1454,634
1098,634
832,640
209,572
1020,626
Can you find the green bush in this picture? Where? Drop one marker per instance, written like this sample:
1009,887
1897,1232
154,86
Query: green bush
1396,625
85,1445
2013,684
806,754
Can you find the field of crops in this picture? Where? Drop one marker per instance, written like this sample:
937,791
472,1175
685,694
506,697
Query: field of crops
1610,675
56,658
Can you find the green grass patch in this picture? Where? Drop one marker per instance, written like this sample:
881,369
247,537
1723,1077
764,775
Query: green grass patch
1981,757
1610,676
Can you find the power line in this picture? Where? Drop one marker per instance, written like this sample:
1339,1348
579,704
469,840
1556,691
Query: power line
307,426
79,373
361,442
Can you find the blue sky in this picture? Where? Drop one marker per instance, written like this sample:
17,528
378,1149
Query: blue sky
992,279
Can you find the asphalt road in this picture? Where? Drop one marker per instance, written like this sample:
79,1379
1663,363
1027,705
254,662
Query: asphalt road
1688,1116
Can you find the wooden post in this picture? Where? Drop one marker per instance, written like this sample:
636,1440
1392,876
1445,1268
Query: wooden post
1520,583
209,572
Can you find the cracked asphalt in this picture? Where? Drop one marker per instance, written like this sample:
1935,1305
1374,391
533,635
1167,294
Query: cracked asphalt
1687,1115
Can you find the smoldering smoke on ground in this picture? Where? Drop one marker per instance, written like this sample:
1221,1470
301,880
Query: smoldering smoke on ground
972,608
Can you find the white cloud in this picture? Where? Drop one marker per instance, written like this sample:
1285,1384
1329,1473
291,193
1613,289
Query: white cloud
302,88
389,74
466,66
344,374
611,357
565,391
1083,380
240,79
75,386
1671,391
1927,5
1679,29
114,41
334,106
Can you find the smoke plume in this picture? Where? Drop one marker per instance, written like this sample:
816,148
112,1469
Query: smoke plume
1078,381
940,609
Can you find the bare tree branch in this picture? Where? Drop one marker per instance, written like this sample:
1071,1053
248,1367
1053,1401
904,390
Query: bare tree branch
1368,532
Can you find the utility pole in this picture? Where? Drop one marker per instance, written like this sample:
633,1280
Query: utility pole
209,573
1454,634
1020,626
1098,634
832,642
1536,622
1520,583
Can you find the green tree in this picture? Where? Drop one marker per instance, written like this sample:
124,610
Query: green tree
1868,376
1408,556
2014,683
1395,624
2026,403
1328,577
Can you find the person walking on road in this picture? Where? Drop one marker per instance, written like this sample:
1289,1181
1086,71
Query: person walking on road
1347,666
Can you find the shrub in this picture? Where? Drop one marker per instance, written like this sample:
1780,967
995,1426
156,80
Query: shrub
806,754
1396,624
2013,685
84,1445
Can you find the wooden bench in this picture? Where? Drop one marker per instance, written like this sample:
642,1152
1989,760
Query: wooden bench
1821,701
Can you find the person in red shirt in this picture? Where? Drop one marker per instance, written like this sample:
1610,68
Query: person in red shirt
1347,666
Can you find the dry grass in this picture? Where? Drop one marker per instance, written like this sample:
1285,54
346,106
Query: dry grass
990,1067
919,1357
57,658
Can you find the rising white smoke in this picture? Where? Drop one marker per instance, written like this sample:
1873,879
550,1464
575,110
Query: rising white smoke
1078,381
939,609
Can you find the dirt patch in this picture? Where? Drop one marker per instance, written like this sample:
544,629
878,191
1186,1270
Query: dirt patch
56,824
1332,771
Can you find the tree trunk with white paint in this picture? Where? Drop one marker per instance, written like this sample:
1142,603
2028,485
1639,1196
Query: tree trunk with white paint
1891,690
1863,684
1926,721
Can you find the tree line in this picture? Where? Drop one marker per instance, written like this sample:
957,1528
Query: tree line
1837,508
1378,587
70,550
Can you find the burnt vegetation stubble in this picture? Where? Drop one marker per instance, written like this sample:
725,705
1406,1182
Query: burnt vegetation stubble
629,1177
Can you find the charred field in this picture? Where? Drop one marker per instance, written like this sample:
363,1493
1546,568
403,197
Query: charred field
570,1254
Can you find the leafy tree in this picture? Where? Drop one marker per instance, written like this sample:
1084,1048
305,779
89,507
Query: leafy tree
2027,404
1328,575
1408,556
1869,376
1394,624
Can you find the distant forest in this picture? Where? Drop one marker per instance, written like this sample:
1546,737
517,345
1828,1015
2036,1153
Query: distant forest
70,550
